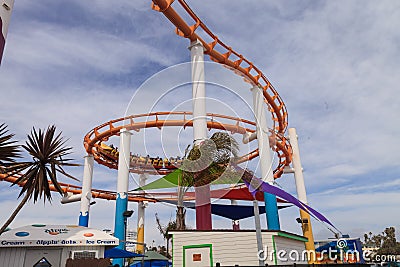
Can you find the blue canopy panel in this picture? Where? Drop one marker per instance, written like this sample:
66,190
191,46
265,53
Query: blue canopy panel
152,263
117,253
233,212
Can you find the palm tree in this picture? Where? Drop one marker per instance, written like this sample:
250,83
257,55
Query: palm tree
210,160
180,209
8,150
164,231
47,151
204,164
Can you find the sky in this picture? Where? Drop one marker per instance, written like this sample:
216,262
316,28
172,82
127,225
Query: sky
78,64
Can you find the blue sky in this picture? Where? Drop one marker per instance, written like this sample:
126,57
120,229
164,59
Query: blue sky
78,64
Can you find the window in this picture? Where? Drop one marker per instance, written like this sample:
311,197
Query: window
84,254
43,262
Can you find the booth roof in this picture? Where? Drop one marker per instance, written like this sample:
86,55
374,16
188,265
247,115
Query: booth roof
117,253
153,256
42,235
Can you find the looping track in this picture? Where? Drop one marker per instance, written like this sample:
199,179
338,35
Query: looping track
102,133
74,189
220,53
228,57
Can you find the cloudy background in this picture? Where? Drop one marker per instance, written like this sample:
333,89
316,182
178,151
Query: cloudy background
78,64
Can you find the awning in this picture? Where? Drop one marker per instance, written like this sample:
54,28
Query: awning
237,193
233,212
267,188
152,259
114,253
168,181
151,263
171,181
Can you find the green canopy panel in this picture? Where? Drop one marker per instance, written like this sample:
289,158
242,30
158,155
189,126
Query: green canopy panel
171,181
168,181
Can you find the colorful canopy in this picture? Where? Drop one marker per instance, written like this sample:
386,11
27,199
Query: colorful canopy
152,259
267,188
233,212
171,181
256,187
117,253
236,193
168,181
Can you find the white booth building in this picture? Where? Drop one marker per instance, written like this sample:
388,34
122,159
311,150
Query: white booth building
191,248
52,245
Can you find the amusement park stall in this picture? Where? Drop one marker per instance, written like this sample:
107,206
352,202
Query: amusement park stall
227,247
52,245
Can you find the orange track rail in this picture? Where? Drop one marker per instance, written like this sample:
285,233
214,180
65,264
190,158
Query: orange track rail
101,133
226,193
228,57
96,193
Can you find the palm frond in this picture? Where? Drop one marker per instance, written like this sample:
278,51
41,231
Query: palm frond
9,151
37,176
211,161
226,147
48,151
62,171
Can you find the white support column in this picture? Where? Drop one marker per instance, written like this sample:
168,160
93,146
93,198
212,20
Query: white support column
5,16
198,92
265,158
262,135
248,137
86,194
70,198
203,203
301,190
124,161
298,169
141,217
122,189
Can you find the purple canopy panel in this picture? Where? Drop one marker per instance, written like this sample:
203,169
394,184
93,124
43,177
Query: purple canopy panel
265,187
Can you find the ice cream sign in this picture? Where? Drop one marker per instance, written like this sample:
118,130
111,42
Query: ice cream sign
50,243
56,231
69,235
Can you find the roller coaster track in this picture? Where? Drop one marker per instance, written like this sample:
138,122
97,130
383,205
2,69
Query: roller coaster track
74,189
225,193
227,57
94,139
218,52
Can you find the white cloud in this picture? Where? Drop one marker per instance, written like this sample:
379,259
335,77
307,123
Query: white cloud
77,64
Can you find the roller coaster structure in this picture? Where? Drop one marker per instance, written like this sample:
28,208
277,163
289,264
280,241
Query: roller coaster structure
95,139
220,53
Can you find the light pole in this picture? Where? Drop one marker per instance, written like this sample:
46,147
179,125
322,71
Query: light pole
126,214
